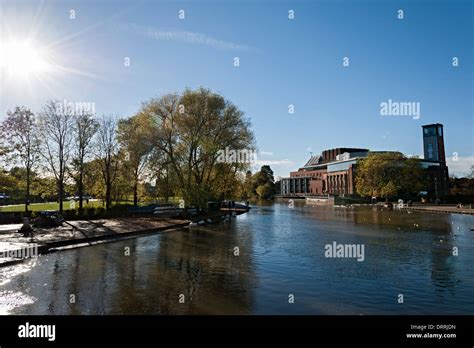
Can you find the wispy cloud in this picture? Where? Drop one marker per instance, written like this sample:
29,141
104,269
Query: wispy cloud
188,37
266,153
461,166
283,162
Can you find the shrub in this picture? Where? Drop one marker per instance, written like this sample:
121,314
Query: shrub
89,212
70,214
118,210
99,212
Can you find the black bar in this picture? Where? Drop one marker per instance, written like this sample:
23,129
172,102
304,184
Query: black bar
223,330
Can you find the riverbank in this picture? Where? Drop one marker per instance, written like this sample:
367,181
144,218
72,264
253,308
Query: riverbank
423,207
448,209
81,233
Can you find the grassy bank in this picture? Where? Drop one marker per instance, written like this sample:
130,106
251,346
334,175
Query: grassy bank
48,206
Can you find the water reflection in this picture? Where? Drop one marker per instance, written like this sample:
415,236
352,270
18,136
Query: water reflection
200,264
281,252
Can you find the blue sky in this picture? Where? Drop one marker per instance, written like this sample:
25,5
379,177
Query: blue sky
282,62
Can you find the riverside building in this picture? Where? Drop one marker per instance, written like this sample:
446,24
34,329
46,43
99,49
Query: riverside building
333,172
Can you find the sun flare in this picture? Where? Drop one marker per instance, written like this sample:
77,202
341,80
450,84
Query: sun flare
22,59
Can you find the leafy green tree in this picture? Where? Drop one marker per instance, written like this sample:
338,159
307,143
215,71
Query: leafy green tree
93,180
45,188
18,190
265,176
264,183
122,190
166,182
265,191
135,136
8,183
191,131
388,175
249,187
260,185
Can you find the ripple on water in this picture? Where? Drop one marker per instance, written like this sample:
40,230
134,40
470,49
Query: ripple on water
8,273
13,300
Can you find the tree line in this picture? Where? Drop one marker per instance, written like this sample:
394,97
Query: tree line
170,148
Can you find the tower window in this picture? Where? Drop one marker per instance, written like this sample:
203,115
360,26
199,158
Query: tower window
429,131
430,151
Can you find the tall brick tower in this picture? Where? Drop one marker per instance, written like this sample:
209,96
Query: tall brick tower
433,143
433,151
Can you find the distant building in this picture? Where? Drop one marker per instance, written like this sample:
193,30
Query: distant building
333,172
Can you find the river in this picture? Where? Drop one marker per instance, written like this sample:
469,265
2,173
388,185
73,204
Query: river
269,261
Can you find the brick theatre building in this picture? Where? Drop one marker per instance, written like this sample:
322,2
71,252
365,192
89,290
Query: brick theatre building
333,172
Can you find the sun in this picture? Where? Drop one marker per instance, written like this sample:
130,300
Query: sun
22,59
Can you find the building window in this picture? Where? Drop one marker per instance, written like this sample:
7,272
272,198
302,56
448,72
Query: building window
430,151
430,131
440,131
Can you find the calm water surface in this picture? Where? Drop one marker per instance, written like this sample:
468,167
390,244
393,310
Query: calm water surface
281,253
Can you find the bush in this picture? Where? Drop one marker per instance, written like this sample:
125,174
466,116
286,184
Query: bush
10,217
119,210
70,214
89,212
99,212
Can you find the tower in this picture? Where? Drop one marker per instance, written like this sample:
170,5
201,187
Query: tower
433,143
435,157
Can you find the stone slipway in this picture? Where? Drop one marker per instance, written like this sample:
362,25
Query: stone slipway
75,234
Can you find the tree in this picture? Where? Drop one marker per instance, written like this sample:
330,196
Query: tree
56,129
45,188
122,188
85,129
107,154
190,132
135,138
388,175
248,190
260,185
264,183
8,183
265,175
166,182
264,191
93,178
20,132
